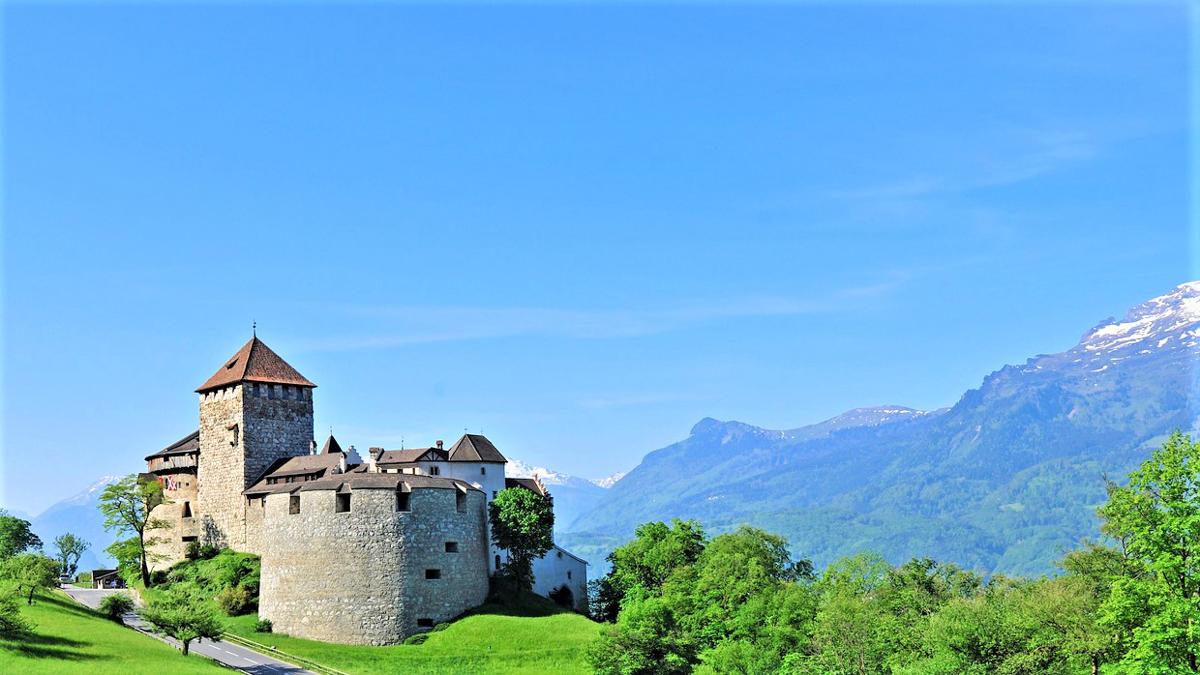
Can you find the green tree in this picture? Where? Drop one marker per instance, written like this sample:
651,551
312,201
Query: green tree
645,562
1156,517
16,535
851,622
29,573
69,549
523,525
182,612
126,506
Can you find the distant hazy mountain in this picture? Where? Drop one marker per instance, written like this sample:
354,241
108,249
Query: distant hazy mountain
572,495
79,515
1005,480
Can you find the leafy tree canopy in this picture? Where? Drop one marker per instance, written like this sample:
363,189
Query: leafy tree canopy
523,525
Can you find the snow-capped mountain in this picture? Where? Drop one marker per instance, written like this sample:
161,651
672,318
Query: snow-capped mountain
80,515
572,495
1002,481
609,481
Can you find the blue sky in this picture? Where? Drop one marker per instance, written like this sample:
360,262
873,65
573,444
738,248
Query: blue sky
578,229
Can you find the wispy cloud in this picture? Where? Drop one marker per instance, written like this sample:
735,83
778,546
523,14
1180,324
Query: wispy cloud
1018,157
397,326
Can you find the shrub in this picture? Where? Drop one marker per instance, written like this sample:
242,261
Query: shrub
418,639
263,626
12,624
192,551
440,626
236,600
207,552
116,606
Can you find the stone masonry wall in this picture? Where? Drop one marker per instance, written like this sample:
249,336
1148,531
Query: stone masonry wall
273,422
278,424
221,468
171,546
359,577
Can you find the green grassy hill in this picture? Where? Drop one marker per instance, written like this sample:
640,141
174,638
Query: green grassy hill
70,638
537,637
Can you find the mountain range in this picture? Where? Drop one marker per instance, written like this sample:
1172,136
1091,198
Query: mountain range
1005,480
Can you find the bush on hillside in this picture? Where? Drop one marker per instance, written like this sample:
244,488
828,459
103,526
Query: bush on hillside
12,624
116,606
418,639
263,626
236,600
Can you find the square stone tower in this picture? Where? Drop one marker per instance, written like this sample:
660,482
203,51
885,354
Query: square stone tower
255,410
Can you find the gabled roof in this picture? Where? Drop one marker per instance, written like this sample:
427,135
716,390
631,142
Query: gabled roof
318,465
411,455
183,446
475,448
331,445
532,484
255,362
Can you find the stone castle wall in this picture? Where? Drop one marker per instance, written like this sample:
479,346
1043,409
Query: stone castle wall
221,469
272,422
173,539
360,577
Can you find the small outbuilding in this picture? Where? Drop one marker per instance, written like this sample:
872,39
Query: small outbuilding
107,579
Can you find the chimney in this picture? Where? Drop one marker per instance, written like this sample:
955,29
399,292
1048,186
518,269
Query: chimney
342,464
439,445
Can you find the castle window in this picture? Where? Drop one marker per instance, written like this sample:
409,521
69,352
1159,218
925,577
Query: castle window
433,574
424,623
568,575
483,471
294,504
497,561
187,509
560,555
452,547
186,539
460,500
254,389
403,501
493,494
435,471
343,504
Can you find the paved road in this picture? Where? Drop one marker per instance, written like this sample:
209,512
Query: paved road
235,656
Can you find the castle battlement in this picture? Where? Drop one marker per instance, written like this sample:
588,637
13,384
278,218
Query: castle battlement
352,551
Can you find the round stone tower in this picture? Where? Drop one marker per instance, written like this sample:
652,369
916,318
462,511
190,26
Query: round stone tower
371,558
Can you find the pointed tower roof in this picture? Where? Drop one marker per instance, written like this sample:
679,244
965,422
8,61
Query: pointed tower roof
475,448
255,362
331,445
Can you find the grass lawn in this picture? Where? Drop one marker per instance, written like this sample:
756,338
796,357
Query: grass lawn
535,638
70,638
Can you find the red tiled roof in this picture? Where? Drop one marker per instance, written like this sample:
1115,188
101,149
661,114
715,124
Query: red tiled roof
255,362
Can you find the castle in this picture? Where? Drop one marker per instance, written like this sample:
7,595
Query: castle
354,550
